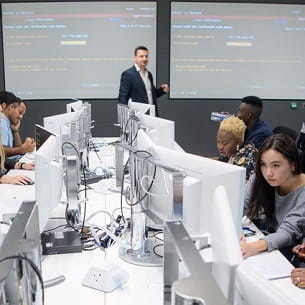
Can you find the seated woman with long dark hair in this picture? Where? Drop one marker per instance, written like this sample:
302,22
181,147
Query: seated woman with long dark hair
275,197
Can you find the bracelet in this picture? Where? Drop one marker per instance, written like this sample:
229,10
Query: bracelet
21,165
15,131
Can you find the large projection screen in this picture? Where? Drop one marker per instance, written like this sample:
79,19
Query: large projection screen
230,50
73,49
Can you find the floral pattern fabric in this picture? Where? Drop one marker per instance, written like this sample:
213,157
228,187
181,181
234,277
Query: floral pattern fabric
245,157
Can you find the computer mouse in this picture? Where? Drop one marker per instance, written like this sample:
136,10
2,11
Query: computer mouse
31,182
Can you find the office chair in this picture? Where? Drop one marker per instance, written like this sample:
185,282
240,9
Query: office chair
286,130
298,137
301,146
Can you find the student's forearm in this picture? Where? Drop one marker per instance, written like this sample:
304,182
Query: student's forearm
12,151
252,248
17,138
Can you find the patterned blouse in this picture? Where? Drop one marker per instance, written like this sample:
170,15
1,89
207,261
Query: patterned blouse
245,157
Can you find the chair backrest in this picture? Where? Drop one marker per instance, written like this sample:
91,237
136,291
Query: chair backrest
286,130
298,137
301,146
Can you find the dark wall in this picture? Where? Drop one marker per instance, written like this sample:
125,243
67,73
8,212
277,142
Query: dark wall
195,132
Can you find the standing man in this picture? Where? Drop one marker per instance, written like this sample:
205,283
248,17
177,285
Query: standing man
13,111
250,111
137,82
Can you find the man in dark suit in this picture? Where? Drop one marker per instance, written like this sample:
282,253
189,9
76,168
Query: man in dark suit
137,82
250,111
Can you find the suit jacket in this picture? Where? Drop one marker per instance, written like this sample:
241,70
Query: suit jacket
258,134
132,86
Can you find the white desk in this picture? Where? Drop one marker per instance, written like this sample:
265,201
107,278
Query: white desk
145,283
272,258
143,286
25,192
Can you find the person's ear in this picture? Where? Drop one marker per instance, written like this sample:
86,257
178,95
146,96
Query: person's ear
9,108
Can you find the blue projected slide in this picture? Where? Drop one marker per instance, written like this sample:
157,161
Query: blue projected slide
230,50
73,49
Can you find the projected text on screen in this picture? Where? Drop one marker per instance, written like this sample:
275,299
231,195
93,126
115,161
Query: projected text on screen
230,50
73,49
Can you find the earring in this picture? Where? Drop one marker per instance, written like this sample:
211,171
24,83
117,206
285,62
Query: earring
237,147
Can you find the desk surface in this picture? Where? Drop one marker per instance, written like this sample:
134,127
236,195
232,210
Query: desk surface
25,192
145,283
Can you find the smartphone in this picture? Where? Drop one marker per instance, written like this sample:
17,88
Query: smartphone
248,232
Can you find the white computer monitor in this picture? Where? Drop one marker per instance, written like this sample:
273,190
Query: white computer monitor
161,131
202,176
224,244
55,122
74,106
83,111
48,179
205,175
158,182
142,108
212,196
72,127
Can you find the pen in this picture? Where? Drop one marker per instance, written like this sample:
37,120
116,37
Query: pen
293,256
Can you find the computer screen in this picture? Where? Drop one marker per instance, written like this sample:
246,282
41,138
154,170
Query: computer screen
58,50
74,106
55,122
225,248
68,127
157,182
41,135
142,108
230,50
203,175
161,131
48,179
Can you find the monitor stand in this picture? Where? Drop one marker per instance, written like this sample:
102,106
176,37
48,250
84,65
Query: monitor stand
147,256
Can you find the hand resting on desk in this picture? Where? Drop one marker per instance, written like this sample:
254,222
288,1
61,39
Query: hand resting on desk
19,180
298,277
25,165
252,248
298,274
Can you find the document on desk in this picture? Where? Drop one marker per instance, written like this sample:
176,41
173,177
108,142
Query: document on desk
28,157
9,206
271,265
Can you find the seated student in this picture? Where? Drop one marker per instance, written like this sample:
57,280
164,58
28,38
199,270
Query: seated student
13,111
250,111
230,143
4,165
275,196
